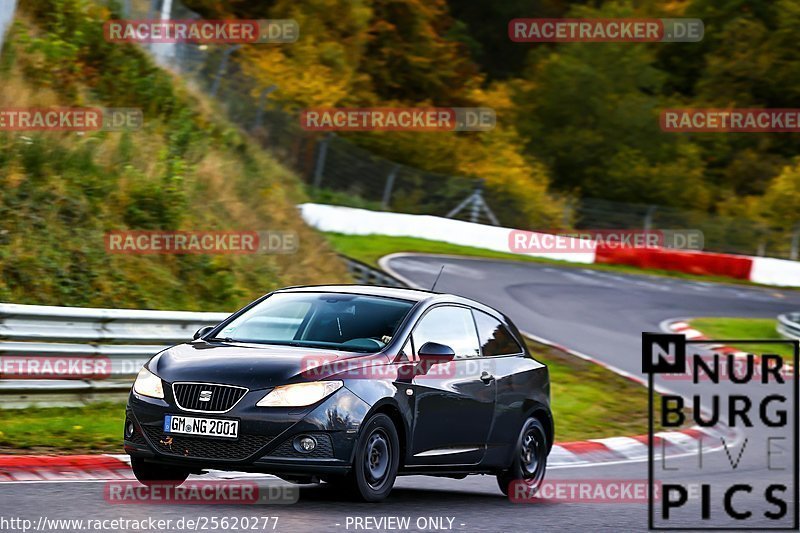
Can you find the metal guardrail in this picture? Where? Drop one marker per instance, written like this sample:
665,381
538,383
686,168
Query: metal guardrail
789,325
367,275
127,337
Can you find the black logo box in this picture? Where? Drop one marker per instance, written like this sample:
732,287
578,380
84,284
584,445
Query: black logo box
674,347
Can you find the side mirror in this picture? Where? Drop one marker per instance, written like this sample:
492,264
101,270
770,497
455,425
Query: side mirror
202,332
434,353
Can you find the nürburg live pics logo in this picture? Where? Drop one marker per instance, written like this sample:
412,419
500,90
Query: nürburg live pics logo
739,469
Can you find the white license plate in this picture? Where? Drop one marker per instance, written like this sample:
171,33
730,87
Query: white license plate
206,427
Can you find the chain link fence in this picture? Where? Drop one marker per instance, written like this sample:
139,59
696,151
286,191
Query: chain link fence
336,170
722,234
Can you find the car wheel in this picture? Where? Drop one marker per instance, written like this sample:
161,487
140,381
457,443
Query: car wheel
153,474
377,457
530,459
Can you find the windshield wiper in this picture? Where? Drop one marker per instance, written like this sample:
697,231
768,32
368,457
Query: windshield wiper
253,341
225,339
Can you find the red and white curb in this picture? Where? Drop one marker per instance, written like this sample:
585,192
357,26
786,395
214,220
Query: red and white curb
593,452
101,467
30,468
108,467
684,328
635,449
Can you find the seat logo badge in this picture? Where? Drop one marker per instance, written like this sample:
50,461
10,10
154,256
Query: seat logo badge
205,396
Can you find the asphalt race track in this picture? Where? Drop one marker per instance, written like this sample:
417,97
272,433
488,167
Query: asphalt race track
597,313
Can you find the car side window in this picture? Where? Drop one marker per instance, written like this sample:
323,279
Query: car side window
451,326
494,337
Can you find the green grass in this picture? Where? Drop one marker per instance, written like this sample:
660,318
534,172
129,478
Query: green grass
744,328
93,428
370,248
588,402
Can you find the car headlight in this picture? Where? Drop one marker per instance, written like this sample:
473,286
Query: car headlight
299,394
148,384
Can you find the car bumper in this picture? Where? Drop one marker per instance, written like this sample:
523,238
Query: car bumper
265,440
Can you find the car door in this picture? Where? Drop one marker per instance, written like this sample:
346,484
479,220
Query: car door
453,407
518,380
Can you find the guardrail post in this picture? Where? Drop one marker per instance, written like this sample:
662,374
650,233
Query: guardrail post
795,250
387,190
322,154
648,217
262,102
223,66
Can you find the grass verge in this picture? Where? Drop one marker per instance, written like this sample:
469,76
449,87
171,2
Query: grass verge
588,402
744,328
93,428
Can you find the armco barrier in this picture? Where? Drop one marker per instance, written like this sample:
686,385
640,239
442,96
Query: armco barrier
352,221
789,325
367,275
127,337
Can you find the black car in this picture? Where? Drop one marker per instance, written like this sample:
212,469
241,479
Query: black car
351,385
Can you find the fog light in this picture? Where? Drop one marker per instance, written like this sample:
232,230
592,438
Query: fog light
305,444
128,429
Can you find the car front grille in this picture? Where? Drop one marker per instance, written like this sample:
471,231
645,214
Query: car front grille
204,448
136,438
218,398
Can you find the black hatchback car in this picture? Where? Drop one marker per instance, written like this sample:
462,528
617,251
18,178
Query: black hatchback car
351,385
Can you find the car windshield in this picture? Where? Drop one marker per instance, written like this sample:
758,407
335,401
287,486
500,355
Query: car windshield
350,322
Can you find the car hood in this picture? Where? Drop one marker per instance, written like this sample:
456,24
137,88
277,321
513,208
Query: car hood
254,366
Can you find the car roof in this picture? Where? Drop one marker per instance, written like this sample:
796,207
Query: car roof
369,290
416,295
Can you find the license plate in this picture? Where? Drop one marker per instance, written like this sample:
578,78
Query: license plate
206,427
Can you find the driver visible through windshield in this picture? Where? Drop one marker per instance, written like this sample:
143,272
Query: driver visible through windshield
350,322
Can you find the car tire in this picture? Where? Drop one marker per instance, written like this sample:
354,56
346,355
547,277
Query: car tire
375,462
152,474
530,459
